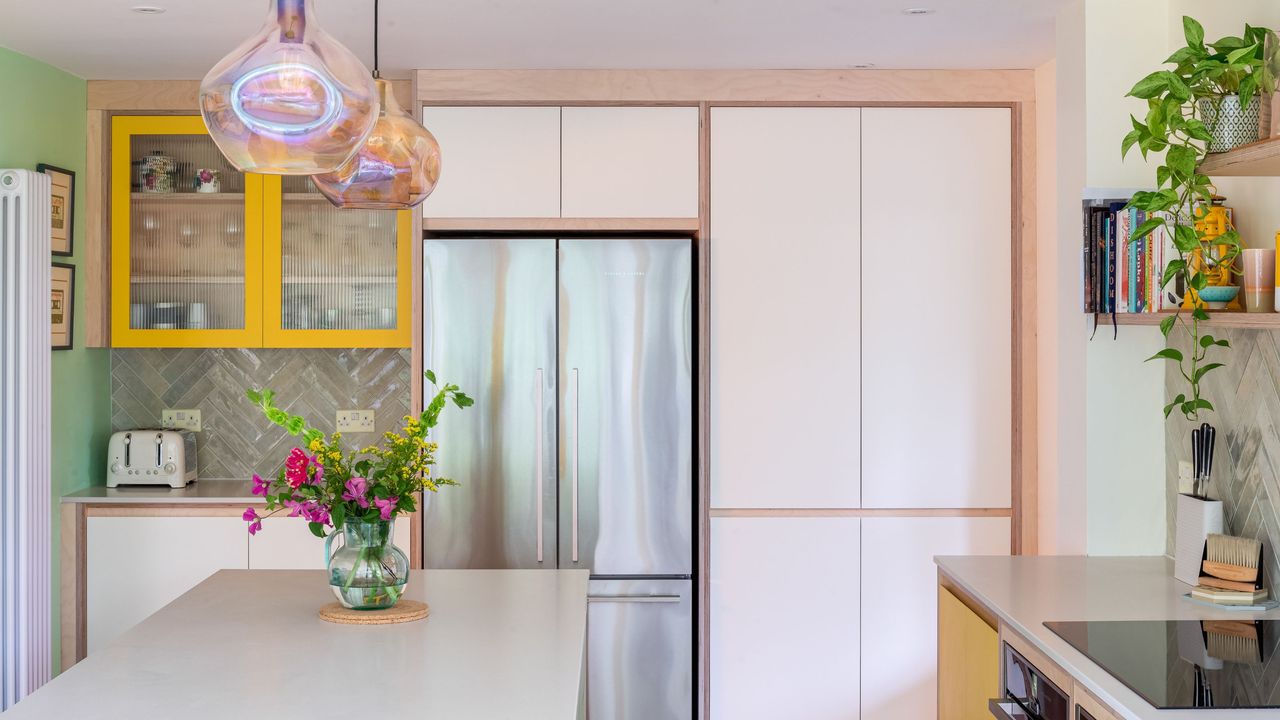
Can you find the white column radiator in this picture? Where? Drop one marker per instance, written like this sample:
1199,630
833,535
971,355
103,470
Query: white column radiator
26,645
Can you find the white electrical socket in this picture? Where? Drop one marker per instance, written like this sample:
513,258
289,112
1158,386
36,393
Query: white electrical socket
355,421
1185,479
181,419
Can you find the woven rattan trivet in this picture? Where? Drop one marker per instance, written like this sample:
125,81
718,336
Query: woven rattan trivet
402,612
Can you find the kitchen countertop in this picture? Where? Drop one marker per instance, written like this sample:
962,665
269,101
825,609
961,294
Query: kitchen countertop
249,644
211,492
1026,591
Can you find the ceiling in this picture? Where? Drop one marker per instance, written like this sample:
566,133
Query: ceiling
104,39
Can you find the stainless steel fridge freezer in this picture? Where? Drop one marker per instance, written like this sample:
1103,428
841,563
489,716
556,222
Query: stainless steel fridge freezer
579,450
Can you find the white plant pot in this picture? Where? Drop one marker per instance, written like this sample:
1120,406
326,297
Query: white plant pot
1197,520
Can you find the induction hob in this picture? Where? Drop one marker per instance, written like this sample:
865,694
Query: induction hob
1185,664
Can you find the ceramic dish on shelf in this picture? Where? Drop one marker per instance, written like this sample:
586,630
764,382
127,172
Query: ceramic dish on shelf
1217,296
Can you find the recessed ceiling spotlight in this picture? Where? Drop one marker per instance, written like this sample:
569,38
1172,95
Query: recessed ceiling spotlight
919,11
864,66
147,9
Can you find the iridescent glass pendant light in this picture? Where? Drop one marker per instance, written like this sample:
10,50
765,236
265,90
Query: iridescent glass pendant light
290,100
396,168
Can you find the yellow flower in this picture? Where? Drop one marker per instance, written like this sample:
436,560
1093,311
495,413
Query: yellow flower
315,445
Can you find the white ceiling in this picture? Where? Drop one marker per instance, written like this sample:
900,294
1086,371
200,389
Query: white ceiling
103,39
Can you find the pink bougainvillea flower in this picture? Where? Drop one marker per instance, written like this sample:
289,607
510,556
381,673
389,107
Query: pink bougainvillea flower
255,523
386,506
357,489
260,486
295,506
320,514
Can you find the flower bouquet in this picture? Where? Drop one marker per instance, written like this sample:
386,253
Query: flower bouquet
357,493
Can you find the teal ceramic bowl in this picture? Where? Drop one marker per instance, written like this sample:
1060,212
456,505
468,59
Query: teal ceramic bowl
1219,294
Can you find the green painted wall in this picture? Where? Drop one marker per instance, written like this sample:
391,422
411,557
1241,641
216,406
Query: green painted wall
42,120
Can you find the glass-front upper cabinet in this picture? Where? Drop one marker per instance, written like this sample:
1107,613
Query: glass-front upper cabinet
334,278
186,239
203,255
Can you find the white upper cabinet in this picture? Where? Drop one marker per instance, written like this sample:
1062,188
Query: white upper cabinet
937,336
630,162
785,307
495,161
784,618
900,616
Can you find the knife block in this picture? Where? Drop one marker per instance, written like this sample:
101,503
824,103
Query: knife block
1197,520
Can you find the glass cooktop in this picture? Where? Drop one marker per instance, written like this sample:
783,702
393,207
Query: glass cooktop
1186,664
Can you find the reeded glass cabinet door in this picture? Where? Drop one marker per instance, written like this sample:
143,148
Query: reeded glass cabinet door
334,278
186,239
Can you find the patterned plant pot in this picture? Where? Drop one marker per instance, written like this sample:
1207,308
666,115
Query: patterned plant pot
1230,125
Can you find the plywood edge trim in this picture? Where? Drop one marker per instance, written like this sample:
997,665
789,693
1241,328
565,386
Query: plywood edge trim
167,510
689,225
641,87
988,616
861,512
183,95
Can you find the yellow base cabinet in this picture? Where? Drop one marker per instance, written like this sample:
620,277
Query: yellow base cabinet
968,661
203,255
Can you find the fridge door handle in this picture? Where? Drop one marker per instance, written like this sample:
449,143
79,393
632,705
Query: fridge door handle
573,465
537,401
633,598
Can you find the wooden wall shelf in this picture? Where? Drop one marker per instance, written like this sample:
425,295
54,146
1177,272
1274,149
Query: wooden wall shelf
1259,159
684,226
1267,321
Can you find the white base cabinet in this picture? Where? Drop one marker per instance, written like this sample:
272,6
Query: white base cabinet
137,565
784,618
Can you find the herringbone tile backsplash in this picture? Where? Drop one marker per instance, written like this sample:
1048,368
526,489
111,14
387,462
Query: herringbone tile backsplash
236,440
1246,462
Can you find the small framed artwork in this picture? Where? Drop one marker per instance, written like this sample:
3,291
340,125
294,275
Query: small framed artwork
62,205
62,305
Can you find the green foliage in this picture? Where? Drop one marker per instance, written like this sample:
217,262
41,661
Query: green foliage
1173,125
399,468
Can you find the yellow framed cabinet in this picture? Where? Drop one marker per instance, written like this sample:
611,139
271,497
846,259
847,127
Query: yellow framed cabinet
203,255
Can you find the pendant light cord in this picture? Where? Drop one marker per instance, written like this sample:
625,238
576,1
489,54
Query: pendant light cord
375,39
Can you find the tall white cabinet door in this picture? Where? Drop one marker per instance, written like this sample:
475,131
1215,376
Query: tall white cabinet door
495,161
936,268
629,162
285,543
784,307
784,618
137,565
900,606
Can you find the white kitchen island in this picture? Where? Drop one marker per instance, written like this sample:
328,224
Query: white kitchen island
248,644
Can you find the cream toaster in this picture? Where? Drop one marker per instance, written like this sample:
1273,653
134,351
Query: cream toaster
151,457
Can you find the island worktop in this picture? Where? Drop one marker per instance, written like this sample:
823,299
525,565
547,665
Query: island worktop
249,644
1022,593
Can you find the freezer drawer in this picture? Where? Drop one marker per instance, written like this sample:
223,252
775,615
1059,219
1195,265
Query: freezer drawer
626,406
640,650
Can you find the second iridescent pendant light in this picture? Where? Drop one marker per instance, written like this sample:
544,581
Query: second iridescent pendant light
397,167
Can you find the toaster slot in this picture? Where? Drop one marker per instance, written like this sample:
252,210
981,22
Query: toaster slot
159,450
128,449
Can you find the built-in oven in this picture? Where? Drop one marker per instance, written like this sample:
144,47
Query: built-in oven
1028,694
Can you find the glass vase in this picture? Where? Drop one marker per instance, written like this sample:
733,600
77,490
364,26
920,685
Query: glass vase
368,572
291,100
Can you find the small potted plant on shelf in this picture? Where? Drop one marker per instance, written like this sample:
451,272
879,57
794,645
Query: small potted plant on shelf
1188,110
355,494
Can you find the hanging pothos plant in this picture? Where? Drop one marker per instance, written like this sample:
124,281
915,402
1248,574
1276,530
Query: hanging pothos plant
1174,125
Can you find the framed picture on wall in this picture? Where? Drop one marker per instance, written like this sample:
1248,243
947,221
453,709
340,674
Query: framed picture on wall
62,205
61,306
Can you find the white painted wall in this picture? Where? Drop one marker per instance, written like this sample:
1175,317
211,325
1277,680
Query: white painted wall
1116,44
